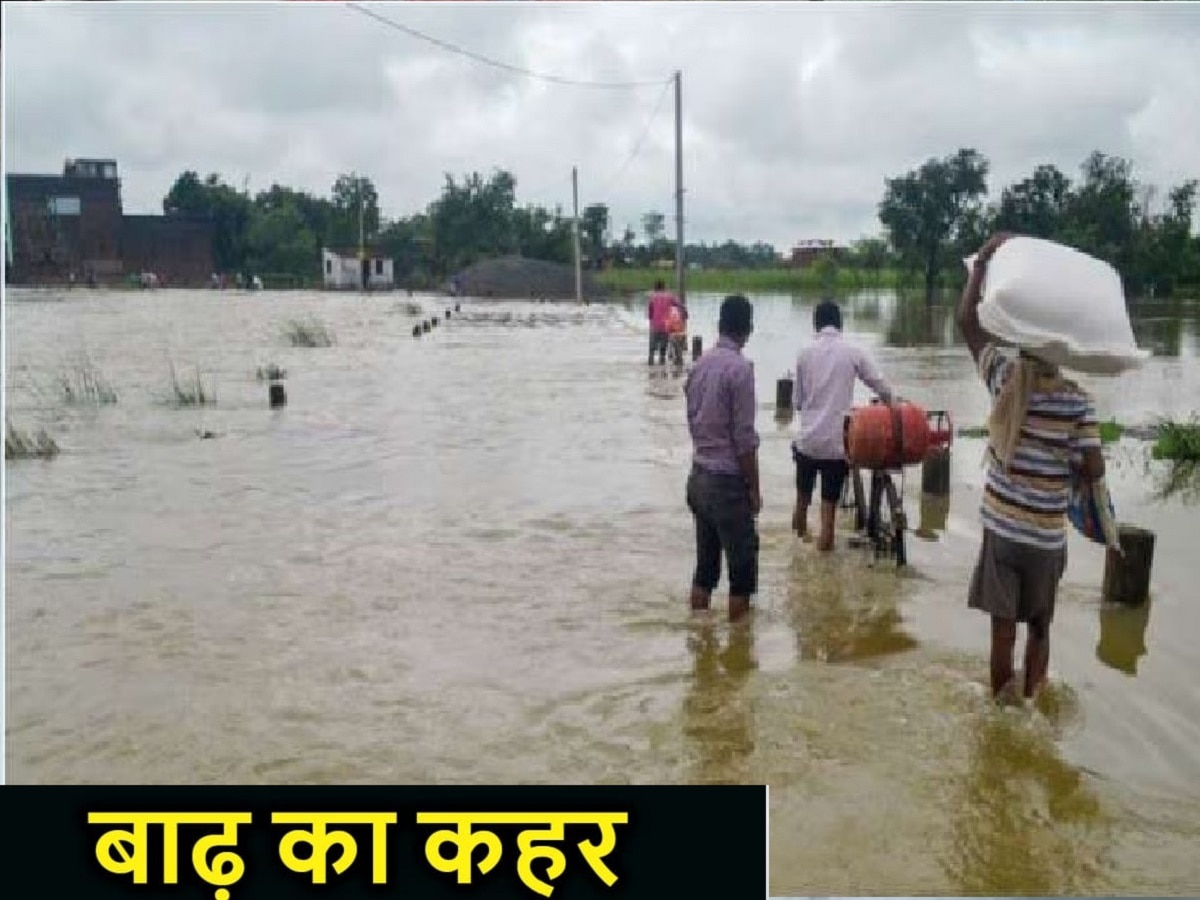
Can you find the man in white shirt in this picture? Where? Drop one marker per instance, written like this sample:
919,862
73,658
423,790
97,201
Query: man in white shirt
823,394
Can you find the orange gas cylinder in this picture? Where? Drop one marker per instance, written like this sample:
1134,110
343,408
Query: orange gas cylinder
886,437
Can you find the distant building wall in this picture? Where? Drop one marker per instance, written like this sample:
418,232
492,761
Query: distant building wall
62,225
177,249
72,224
342,271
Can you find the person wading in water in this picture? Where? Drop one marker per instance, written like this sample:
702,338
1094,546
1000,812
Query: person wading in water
1041,427
823,394
722,489
658,309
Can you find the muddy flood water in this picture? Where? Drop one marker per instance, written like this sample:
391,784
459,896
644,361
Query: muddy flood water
464,558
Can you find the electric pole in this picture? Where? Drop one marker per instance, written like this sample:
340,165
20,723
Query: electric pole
578,260
679,275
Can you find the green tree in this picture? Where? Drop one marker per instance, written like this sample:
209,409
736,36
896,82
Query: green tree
927,210
281,244
353,195
227,209
871,255
654,225
1037,206
593,228
473,220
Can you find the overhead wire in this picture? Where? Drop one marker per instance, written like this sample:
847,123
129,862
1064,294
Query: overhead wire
479,57
544,76
637,147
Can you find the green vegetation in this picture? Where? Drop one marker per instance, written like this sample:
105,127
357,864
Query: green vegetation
28,445
758,281
1110,432
83,385
931,218
190,392
1178,441
935,215
311,333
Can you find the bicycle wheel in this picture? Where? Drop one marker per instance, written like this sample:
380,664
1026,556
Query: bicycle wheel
896,522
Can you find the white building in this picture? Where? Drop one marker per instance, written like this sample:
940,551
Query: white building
348,273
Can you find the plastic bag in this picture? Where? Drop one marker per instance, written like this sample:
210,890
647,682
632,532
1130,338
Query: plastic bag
1090,510
1062,305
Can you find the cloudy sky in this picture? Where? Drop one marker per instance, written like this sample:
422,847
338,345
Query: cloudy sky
793,113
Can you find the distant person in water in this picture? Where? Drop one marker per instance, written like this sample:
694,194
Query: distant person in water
722,488
1042,432
657,310
823,394
677,331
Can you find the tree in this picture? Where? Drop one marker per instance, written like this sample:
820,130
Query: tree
1102,213
870,254
227,209
279,243
473,220
350,193
1036,206
654,225
926,211
593,227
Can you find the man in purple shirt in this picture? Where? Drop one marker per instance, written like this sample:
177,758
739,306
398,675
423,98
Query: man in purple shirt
722,489
823,394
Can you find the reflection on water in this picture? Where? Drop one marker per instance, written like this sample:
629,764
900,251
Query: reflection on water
718,713
935,511
844,611
1123,635
1178,479
1027,823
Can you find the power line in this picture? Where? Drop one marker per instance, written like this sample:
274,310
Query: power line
453,48
638,144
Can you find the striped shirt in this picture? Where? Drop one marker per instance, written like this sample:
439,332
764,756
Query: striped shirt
1028,503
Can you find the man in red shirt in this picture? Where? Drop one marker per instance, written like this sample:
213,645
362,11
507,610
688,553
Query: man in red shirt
658,311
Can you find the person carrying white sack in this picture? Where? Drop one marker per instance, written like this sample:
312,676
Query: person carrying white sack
1042,433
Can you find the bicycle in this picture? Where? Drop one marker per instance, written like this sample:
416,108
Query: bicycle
880,517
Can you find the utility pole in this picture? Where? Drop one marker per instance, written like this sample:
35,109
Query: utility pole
679,283
578,259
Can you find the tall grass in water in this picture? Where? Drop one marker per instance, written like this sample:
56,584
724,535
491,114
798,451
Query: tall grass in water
1178,441
189,392
311,333
28,445
83,385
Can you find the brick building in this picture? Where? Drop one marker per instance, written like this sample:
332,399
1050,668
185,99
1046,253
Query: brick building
73,224
805,253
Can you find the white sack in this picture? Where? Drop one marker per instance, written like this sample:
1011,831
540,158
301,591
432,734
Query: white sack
1066,306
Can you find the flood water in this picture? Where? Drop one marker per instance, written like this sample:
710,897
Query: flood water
465,558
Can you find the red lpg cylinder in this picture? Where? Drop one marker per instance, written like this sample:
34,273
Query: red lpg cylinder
887,437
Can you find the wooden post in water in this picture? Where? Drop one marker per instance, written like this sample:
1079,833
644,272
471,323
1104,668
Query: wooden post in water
1127,574
458,307
433,322
425,327
783,396
697,347
447,314
277,396
416,331
935,472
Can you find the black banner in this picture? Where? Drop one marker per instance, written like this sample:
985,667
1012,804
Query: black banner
238,843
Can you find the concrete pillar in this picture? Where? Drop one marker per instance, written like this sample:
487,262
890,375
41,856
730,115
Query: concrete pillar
1127,574
935,472
783,396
